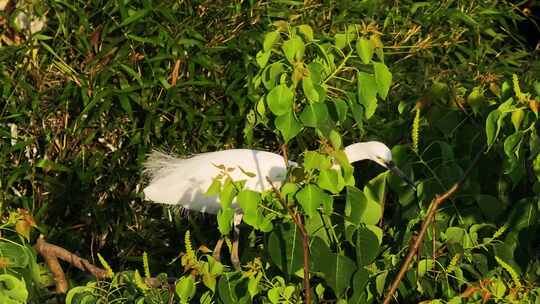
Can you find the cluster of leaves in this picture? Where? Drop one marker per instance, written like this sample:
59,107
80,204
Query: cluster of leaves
83,101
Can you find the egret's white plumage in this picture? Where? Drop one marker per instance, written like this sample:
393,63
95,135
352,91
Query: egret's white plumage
184,181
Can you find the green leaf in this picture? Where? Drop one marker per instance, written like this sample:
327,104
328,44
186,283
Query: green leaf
337,269
338,111
185,288
424,266
12,289
492,127
311,197
316,72
360,281
376,187
80,294
335,139
271,74
512,144
367,246
285,248
340,40
227,194
280,100
215,187
224,219
232,288
316,161
262,58
367,93
249,202
315,115
293,49
331,180
288,125
309,90
269,40
383,77
307,31
455,234
15,255
360,209
364,48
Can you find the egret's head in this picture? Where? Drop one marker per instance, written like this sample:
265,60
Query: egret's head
377,152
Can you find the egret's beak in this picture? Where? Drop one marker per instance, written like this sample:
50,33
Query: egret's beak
392,167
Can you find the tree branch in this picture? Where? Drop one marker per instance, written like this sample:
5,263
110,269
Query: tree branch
51,253
413,249
297,219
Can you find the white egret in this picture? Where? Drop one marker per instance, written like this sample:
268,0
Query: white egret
185,181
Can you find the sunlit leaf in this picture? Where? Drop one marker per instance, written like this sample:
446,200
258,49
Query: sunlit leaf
288,125
331,180
311,197
293,49
185,288
280,100
269,39
367,93
364,48
307,31
383,77
315,115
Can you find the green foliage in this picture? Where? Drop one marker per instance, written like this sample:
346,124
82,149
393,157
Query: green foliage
87,89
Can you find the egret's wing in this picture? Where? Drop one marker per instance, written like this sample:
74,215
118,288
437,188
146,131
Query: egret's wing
180,181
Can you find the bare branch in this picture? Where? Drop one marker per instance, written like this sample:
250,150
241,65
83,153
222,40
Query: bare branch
413,249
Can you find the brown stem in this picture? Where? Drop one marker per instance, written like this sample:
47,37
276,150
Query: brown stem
297,219
439,199
51,253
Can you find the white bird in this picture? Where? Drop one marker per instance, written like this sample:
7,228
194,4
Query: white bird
185,181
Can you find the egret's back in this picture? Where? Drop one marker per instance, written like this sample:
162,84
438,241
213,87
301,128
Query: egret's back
184,181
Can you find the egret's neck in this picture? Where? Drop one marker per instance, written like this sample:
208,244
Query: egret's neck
357,152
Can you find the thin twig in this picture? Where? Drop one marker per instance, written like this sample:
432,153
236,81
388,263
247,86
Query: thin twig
439,199
297,219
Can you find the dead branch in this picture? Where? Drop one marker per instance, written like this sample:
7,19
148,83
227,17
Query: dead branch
51,253
413,249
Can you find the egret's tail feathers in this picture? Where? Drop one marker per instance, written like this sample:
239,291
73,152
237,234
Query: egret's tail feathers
157,163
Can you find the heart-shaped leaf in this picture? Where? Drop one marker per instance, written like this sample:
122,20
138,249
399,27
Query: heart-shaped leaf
293,49
269,40
311,197
315,115
331,180
280,100
288,125
367,246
